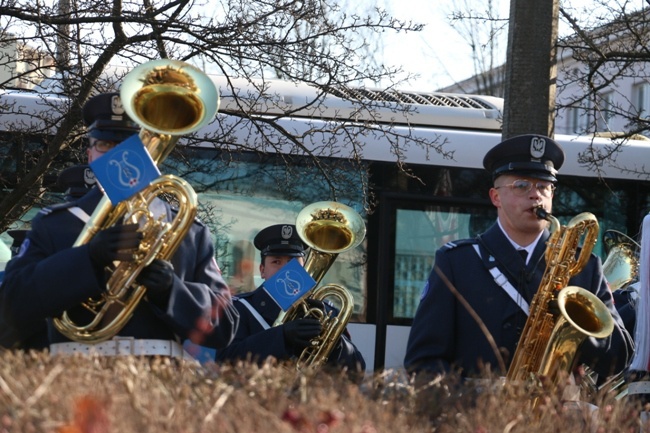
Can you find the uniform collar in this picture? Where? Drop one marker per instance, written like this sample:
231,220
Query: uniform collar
529,248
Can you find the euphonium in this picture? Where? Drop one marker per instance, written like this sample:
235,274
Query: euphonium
551,336
167,98
621,266
328,228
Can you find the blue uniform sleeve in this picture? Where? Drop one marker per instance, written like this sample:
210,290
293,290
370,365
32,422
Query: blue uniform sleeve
253,342
346,354
42,282
430,345
200,305
50,276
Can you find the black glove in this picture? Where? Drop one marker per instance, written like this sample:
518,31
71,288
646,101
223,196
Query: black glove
114,243
158,278
299,332
315,304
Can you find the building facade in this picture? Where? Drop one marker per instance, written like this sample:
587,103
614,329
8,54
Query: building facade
611,99
23,66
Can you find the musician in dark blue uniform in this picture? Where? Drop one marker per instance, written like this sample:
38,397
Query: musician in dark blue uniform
491,275
10,337
257,339
186,297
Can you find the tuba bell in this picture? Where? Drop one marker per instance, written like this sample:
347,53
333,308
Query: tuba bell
621,266
168,99
329,229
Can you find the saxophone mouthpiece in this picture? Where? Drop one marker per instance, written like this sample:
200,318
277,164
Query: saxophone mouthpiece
542,213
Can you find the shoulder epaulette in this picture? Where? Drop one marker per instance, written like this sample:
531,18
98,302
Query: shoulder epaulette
458,243
55,207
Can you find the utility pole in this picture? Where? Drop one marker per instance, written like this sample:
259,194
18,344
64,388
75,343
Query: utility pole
531,69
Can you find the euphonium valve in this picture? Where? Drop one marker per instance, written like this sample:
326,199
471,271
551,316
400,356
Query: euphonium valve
168,99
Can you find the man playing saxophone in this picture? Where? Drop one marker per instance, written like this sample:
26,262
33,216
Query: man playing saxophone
186,296
477,298
257,339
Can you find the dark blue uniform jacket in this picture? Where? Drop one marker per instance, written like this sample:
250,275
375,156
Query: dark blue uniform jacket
254,342
444,334
48,277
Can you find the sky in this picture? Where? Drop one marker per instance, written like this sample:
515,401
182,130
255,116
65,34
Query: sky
438,53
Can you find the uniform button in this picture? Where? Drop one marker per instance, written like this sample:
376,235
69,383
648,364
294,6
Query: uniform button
263,303
507,326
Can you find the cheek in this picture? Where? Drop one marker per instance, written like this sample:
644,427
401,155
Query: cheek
269,271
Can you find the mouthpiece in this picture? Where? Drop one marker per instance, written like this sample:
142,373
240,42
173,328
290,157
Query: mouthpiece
542,213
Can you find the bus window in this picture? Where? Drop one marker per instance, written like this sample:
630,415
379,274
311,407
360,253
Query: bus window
418,234
243,193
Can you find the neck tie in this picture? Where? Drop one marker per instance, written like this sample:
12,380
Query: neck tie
523,254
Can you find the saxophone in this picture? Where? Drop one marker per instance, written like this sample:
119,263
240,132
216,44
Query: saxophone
560,317
168,98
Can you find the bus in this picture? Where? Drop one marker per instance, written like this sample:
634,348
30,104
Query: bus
409,214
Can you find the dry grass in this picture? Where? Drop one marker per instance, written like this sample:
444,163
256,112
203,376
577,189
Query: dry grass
102,395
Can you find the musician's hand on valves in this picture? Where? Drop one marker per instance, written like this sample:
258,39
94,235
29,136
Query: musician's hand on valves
114,243
315,304
158,278
298,333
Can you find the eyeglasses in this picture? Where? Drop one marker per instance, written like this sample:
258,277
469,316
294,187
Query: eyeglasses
522,187
102,146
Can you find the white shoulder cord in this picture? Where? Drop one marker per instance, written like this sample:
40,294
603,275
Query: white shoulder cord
79,213
254,312
502,281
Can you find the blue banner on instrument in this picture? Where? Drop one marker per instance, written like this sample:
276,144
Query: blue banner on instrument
125,169
289,284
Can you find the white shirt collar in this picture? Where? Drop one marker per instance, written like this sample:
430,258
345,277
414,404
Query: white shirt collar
529,248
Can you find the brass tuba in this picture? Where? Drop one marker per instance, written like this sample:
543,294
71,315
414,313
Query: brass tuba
621,266
328,228
549,340
168,99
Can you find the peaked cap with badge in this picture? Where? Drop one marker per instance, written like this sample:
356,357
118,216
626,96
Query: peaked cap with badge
280,240
531,155
76,181
105,118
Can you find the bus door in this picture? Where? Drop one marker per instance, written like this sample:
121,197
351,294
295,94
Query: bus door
409,230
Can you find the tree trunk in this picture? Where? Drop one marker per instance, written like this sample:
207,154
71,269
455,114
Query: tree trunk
531,68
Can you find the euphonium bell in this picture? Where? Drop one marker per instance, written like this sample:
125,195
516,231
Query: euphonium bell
167,98
621,266
328,228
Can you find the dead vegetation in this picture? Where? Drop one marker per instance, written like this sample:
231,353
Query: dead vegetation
39,393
